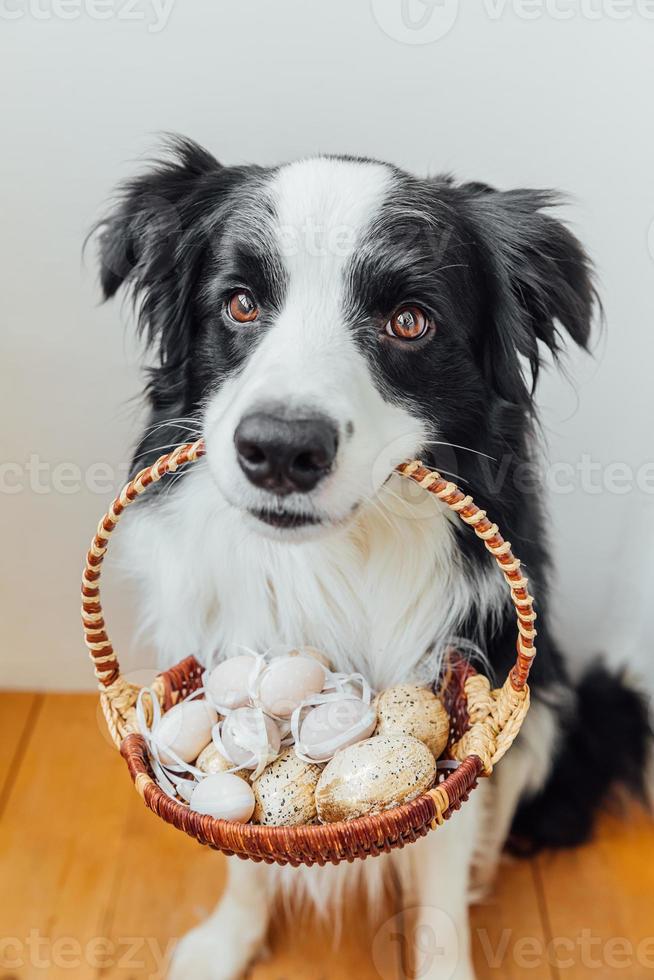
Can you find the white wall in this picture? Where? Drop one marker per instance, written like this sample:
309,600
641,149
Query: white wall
552,101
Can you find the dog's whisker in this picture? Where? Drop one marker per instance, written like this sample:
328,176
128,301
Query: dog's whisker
187,425
155,449
454,445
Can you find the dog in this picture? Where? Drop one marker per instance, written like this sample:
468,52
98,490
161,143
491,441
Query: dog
317,323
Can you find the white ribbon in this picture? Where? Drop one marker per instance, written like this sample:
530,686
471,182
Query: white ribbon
167,775
447,765
253,740
339,687
257,668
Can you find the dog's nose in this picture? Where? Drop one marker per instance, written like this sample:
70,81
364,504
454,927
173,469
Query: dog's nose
285,455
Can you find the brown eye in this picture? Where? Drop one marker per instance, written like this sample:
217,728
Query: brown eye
241,307
408,323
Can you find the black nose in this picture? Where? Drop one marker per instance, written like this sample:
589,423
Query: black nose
285,455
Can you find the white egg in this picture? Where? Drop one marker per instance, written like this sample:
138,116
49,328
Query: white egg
249,738
287,682
334,725
314,653
228,683
279,650
225,796
369,777
185,730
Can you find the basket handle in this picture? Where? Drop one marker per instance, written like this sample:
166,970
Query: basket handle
104,657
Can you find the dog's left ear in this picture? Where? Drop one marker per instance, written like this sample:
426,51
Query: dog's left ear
538,278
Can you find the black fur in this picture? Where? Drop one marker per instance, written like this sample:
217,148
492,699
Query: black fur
161,240
501,278
605,746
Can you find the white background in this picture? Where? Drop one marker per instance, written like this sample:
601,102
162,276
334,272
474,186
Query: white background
556,94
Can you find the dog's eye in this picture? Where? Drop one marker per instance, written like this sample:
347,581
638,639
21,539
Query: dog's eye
241,307
408,323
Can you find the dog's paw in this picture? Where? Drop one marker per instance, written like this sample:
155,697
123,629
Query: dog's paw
206,953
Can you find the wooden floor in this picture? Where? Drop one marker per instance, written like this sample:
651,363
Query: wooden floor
93,885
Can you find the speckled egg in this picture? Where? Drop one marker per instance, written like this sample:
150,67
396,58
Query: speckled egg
334,725
408,709
287,681
372,776
285,792
185,730
210,760
228,683
224,796
249,737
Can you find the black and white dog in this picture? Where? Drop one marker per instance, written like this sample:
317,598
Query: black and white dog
319,322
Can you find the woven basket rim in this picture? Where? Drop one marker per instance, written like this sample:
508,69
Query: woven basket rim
314,843
492,722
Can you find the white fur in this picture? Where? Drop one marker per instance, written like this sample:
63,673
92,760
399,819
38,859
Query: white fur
377,594
379,587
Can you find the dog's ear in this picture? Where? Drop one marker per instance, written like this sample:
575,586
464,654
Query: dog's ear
539,280
152,242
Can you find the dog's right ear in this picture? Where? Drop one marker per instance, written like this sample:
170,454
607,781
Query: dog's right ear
139,239
153,243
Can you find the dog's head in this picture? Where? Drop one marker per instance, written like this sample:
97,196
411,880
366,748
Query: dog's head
326,319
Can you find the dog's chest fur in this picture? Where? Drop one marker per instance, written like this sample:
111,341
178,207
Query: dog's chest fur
381,595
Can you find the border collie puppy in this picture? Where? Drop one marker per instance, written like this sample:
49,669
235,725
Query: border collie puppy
317,323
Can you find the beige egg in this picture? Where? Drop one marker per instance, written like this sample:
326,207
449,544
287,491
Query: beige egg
409,709
249,737
284,650
225,796
210,760
372,776
287,681
285,792
185,730
228,683
334,725
316,654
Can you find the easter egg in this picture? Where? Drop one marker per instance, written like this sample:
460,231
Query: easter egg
371,776
225,796
210,760
250,738
334,725
315,654
228,683
185,730
285,792
408,709
287,681
280,650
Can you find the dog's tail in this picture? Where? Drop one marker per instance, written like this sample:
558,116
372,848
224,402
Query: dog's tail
606,747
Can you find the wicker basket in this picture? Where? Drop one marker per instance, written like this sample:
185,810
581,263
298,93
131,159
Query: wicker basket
484,722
